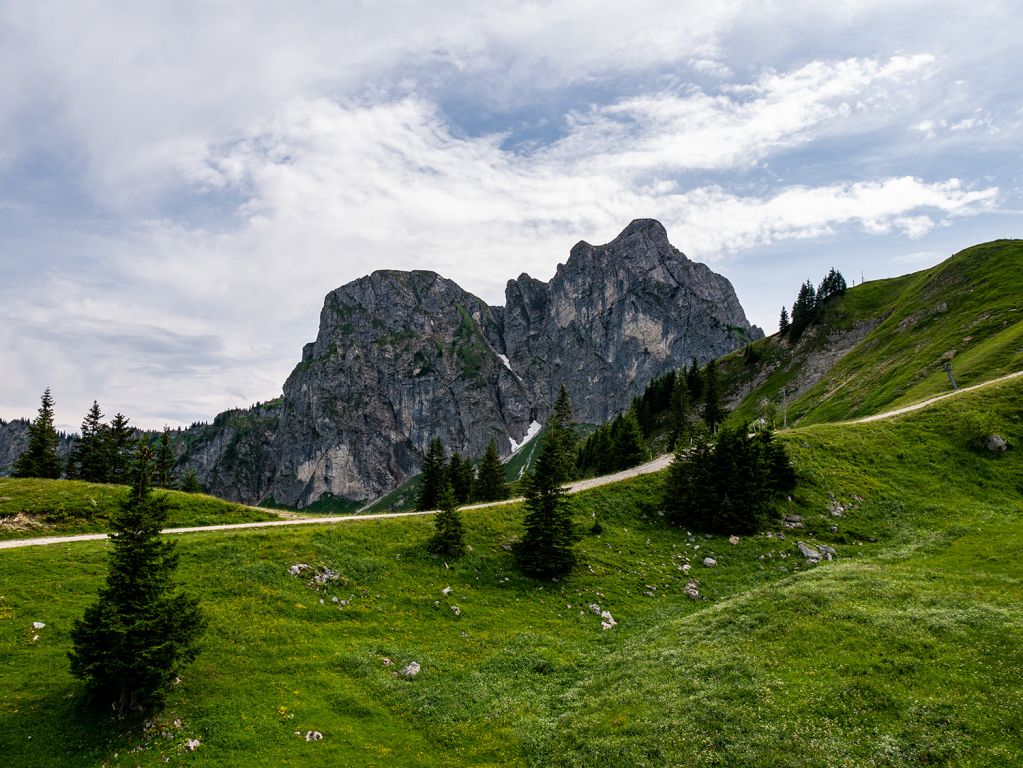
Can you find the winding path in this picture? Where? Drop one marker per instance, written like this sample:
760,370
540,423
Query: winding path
655,465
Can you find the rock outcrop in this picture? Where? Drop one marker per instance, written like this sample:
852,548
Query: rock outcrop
403,357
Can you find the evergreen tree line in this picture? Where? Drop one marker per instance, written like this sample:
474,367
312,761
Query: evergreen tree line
467,483
808,307
682,404
103,453
730,485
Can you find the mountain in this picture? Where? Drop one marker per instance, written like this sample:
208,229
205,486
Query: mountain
403,357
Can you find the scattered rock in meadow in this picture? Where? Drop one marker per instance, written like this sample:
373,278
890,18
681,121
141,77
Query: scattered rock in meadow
192,744
811,554
313,736
710,562
594,609
37,625
297,568
456,610
827,552
995,444
691,591
793,521
411,669
446,591
608,621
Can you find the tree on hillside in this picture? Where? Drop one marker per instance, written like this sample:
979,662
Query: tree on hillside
729,487
694,380
783,322
804,311
713,412
120,448
190,482
434,472
490,482
561,433
89,459
833,284
630,447
164,461
40,458
680,418
545,550
461,476
131,643
447,538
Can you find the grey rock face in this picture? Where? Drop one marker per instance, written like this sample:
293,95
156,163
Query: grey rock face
400,358
13,442
403,357
616,316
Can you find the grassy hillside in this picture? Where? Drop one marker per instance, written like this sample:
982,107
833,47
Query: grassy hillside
968,311
907,650
49,507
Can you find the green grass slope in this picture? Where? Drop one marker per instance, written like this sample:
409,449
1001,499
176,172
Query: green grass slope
968,310
906,650
32,507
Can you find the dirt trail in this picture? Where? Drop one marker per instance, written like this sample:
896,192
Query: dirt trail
655,465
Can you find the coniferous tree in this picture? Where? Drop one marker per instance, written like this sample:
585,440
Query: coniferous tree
190,482
434,471
561,432
119,439
89,459
804,311
131,643
681,413
490,482
447,539
783,322
164,461
694,379
713,413
730,487
461,476
40,458
545,550
630,447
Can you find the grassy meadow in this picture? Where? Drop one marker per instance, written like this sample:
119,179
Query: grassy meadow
906,650
32,507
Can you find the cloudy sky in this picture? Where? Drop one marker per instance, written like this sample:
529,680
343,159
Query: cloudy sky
182,182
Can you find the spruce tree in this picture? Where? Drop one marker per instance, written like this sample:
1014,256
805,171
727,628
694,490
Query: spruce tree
630,447
461,475
131,643
40,458
434,472
490,482
190,482
783,322
447,539
120,448
89,458
545,550
164,461
681,413
713,413
804,311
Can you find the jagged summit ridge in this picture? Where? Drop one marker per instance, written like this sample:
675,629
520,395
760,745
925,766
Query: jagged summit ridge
402,357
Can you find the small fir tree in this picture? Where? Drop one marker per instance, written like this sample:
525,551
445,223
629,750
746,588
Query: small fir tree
545,550
461,475
490,482
164,461
434,471
89,459
630,447
131,643
448,538
713,413
681,413
190,482
783,322
40,458
120,448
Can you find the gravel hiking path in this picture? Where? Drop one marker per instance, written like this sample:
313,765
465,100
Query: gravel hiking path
655,465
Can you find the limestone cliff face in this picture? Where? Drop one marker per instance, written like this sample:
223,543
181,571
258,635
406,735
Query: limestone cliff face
400,358
403,357
614,317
